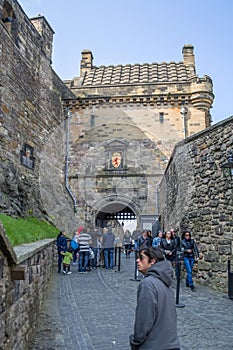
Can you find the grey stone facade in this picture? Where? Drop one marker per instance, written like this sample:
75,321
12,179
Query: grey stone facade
195,195
32,121
140,106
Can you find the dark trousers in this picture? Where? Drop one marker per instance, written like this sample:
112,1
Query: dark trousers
60,257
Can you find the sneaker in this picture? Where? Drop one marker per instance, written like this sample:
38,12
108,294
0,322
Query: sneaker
193,288
64,272
187,285
69,272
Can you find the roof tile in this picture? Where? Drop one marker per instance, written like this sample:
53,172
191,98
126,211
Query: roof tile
137,73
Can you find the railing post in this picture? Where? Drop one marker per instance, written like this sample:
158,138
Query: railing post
115,256
230,281
135,267
179,258
119,259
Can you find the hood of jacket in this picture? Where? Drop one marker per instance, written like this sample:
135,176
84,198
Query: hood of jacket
162,270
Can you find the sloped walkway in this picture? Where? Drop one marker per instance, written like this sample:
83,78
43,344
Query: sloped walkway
95,311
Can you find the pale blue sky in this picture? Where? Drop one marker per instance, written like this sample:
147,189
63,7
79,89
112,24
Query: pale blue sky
138,31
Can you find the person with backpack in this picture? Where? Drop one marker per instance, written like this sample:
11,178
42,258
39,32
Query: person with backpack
190,252
75,247
143,240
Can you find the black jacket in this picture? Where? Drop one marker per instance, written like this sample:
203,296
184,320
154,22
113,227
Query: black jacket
189,244
169,246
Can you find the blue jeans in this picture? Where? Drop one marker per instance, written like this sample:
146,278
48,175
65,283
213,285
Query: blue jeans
108,258
83,261
97,256
188,263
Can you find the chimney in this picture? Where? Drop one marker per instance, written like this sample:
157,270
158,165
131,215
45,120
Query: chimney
188,57
46,32
86,62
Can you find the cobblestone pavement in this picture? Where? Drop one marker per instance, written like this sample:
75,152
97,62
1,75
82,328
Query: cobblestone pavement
95,311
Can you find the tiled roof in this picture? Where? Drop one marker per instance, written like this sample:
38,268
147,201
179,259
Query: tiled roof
137,74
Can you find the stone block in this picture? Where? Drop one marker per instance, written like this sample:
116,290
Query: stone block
204,265
224,250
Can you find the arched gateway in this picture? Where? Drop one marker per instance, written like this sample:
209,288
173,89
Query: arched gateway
116,211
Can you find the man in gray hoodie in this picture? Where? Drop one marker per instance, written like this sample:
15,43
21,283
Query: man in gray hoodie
155,326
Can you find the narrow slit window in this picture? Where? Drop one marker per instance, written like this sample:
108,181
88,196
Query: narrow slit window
161,117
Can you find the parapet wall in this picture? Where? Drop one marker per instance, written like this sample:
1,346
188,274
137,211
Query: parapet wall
24,273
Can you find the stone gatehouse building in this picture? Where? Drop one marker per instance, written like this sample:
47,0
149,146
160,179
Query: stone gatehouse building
94,148
130,115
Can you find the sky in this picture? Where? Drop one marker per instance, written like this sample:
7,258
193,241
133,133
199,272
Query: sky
139,31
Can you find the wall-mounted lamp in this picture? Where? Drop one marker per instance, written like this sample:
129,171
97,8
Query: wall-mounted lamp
184,112
228,166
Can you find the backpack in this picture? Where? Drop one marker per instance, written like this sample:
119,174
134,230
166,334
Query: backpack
74,245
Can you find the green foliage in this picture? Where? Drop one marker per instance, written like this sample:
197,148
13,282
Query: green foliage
20,231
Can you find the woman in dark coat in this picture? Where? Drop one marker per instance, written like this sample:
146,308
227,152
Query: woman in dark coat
190,251
169,246
61,247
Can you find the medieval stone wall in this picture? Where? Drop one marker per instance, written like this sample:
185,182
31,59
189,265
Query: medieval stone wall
194,194
24,273
31,118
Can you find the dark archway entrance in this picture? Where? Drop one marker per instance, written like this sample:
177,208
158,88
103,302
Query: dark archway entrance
114,212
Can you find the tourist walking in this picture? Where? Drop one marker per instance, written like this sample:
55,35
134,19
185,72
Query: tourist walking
169,246
149,238
190,252
157,239
127,242
84,241
108,247
96,246
135,235
61,243
176,238
155,325
143,240
75,246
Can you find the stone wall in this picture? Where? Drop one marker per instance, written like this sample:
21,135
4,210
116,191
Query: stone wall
194,194
24,273
32,120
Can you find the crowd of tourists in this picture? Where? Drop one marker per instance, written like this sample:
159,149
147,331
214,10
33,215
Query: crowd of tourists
156,257
90,248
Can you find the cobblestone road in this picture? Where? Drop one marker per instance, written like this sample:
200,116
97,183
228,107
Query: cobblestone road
95,311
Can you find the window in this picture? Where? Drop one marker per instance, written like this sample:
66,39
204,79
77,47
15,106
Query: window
161,117
92,121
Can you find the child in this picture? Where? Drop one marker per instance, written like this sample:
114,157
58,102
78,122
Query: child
67,259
